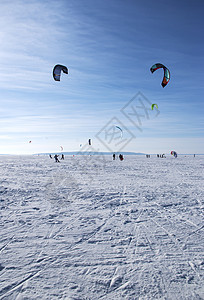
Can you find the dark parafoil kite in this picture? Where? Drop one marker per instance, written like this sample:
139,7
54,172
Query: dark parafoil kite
57,71
89,141
166,77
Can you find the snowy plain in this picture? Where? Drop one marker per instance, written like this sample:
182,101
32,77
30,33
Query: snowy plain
93,228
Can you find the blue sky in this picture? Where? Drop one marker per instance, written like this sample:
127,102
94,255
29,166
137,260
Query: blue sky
108,47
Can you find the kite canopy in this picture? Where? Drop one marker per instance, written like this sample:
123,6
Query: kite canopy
57,71
61,148
174,153
121,132
154,105
89,141
166,77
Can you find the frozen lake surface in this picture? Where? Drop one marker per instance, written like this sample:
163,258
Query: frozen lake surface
88,228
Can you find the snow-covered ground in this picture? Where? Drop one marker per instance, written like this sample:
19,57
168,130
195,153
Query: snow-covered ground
88,228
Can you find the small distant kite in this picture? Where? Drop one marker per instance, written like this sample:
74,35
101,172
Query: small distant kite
89,141
166,77
154,105
30,142
121,131
174,153
61,148
57,72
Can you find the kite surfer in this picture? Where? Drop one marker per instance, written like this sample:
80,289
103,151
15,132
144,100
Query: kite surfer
56,158
121,157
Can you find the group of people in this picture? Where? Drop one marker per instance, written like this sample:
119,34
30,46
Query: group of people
56,157
120,156
161,155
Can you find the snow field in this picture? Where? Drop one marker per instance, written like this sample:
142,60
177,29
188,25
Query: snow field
93,228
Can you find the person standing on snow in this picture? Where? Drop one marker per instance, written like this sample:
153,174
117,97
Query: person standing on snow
56,158
121,157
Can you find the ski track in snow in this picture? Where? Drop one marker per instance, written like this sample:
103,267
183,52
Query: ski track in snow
101,229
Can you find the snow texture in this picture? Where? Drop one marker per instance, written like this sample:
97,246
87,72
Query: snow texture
93,228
